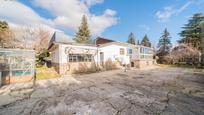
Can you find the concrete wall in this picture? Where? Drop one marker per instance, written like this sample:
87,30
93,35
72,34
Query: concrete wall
142,63
73,67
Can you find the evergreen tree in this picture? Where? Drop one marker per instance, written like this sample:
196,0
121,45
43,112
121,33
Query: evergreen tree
3,26
191,35
138,42
83,35
164,44
131,39
6,36
145,41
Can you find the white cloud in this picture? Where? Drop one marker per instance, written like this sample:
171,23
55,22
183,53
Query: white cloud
98,24
70,12
164,15
18,13
67,14
92,2
169,11
186,5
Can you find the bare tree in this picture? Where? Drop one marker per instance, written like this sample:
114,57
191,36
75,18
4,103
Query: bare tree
42,40
32,38
7,39
184,53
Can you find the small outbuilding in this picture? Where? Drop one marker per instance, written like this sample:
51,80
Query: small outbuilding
16,65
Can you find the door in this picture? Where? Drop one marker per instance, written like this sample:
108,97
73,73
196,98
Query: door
102,58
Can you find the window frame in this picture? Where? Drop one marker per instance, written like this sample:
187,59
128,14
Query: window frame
122,51
80,57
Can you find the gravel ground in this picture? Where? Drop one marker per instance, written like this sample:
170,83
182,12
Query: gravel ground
160,91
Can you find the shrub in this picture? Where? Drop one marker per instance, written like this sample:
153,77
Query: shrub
109,65
84,68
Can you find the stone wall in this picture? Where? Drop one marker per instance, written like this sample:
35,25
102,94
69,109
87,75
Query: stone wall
69,68
143,63
77,67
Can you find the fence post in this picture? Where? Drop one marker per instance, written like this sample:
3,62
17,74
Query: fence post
202,44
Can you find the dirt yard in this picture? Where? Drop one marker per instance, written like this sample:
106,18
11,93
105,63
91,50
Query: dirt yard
160,91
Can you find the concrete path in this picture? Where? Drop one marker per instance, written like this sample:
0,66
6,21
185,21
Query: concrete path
165,91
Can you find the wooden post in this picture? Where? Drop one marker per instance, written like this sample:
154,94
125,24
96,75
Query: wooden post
202,44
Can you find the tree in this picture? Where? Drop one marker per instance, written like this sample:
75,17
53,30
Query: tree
138,42
41,58
191,35
184,53
145,41
83,35
164,44
32,38
131,39
7,39
4,26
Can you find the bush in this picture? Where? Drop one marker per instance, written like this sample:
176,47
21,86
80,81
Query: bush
41,58
109,65
83,68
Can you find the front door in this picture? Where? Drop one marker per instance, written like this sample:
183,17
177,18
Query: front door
102,58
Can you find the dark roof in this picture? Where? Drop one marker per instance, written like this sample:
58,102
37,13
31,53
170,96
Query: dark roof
60,37
100,40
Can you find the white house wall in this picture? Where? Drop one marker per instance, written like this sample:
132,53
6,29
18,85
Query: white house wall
63,55
55,55
112,52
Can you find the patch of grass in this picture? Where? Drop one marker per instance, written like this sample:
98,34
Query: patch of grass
45,73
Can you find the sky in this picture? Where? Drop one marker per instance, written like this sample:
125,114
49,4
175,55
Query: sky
112,19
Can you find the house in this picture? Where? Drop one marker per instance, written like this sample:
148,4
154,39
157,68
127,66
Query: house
68,56
139,56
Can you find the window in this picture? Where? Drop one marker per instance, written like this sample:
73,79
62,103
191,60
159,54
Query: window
122,51
80,57
141,50
129,51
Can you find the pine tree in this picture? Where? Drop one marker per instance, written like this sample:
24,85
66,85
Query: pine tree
83,35
191,35
3,26
145,41
6,36
131,39
138,42
164,44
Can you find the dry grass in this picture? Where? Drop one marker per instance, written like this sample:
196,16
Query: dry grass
45,73
109,65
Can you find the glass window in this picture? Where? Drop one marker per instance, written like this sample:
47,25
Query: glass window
80,58
129,51
122,51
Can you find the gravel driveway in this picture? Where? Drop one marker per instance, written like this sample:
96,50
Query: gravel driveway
165,91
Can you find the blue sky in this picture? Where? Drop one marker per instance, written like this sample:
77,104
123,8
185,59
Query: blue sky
113,19
139,17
